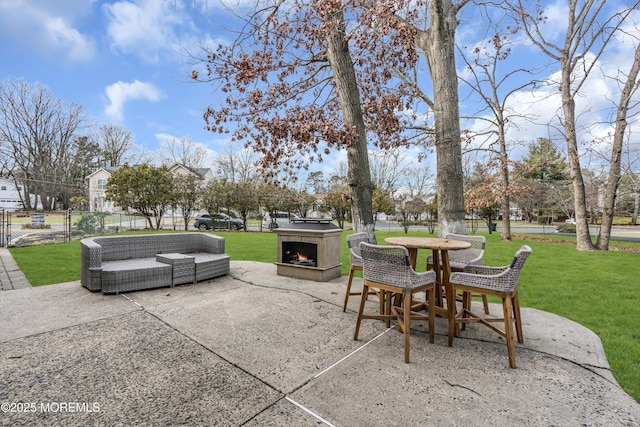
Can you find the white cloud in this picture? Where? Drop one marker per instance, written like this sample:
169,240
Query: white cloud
48,27
144,27
555,26
120,93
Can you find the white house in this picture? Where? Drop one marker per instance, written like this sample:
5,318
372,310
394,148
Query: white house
10,195
97,185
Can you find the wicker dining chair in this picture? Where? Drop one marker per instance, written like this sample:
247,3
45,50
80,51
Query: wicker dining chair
387,269
460,259
496,281
353,241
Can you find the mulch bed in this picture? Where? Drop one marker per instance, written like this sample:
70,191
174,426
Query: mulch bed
564,242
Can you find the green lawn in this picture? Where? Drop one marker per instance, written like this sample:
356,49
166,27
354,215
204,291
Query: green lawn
599,290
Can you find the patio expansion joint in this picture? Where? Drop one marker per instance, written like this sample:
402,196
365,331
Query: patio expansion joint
284,395
289,399
586,366
315,297
287,396
173,328
62,328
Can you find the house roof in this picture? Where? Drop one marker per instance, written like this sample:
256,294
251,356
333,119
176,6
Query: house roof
108,169
201,172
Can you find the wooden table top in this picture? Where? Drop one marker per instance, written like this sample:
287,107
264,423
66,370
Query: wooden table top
428,243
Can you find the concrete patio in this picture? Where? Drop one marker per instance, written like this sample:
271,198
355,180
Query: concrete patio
256,349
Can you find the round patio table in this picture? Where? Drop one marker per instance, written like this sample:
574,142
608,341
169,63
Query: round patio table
440,251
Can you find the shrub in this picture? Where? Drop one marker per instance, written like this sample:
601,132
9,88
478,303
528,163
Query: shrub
91,223
566,228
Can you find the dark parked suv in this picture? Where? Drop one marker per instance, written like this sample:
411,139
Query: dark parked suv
219,221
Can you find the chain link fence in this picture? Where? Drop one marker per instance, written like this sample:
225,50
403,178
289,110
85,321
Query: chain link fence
19,228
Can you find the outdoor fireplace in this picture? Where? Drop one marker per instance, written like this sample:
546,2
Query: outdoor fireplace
309,249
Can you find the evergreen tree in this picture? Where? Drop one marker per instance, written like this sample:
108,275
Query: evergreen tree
544,163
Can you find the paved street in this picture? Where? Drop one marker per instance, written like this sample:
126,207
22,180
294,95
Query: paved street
629,233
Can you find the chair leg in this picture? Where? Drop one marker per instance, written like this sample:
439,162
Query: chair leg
348,293
406,323
485,302
518,318
387,306
466,307
365,288
451,314
507,308
432,313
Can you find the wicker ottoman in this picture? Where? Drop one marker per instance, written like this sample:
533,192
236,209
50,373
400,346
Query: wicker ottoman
184,270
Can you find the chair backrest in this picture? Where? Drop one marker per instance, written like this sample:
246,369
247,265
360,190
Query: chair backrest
386,264
515,268
354,240
473,255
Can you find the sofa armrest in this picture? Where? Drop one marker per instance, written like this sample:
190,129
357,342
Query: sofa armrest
91,264
213,244
91,253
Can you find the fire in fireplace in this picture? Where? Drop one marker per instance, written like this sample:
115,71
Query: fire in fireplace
300,253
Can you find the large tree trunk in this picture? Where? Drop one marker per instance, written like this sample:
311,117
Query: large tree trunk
583,236
359,176
439,45
616,154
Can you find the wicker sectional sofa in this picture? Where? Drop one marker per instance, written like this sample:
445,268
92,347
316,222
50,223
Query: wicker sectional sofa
116,264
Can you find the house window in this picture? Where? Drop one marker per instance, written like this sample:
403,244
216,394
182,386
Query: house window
19,188
102,184
3,188
98,203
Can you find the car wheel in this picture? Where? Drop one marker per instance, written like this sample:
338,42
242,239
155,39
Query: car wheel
203,227
273,225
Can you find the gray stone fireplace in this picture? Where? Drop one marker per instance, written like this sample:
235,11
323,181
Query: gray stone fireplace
309,249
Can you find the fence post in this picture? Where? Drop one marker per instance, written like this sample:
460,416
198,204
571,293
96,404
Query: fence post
68,225
7,235
2,231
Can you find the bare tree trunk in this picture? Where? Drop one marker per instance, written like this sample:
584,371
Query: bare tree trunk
439,45
505,204
616,153
359,176
583,236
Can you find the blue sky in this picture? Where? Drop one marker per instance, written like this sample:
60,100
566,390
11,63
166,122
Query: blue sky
123,61
118,59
